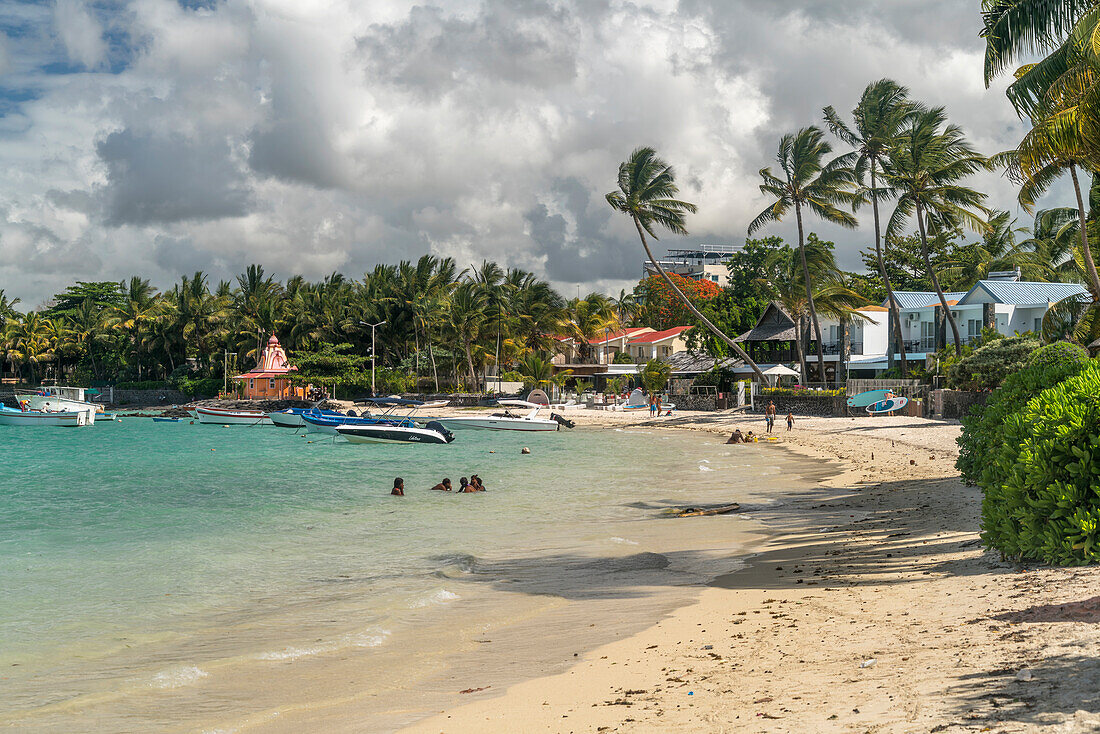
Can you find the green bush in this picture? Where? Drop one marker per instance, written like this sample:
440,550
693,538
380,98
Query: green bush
203,387
143,385
1058,353
1040,483
622,358
981,431
987,366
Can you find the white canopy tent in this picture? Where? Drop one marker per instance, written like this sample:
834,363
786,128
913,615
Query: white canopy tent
774,373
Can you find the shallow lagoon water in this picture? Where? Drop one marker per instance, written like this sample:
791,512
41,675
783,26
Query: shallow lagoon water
162,577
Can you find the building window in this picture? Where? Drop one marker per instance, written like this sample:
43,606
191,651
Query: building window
251,384
271,383
1039,324
973,329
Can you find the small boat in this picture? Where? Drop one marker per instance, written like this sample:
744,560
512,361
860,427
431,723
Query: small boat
508,421
56,398
383,432
391,428
638,401
162,419
295,417
223,417
68,418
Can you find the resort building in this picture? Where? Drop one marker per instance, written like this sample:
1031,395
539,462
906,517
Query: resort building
270,379
705,262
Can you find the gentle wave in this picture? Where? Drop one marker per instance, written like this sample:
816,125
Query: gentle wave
704,468
442,596
360,639
178,677
624,541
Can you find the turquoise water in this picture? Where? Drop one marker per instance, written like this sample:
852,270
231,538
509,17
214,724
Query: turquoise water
149,572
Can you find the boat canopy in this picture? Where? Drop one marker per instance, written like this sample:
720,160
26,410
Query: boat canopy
520,403
392,401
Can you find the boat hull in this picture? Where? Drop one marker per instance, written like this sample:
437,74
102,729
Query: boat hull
69,419
390,434
497,424
215,416
54,404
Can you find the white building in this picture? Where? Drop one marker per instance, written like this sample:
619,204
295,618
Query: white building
705,262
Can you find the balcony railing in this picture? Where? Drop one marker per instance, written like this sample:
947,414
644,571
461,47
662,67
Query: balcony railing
834,348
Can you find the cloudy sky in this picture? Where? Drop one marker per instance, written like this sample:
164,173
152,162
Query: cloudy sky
162,137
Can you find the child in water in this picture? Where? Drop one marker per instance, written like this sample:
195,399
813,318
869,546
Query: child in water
398,487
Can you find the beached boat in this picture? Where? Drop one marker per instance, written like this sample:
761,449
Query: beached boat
507,421
16,417
55,398
220,416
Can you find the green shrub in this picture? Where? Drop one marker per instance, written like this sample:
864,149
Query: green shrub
987,366
203,387
1040,483
1059,353
622,358
981,431
143,385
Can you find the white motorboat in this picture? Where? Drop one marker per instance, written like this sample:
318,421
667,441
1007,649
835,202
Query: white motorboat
508,421
69,418
388,427
54,398
223,417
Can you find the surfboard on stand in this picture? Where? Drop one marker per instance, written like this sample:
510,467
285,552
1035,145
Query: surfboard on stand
888,406
870,397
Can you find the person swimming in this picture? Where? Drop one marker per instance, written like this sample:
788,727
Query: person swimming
398,487
736,437
464,486
444,486
476,483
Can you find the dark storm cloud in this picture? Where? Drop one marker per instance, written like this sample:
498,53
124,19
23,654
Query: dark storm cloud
158,179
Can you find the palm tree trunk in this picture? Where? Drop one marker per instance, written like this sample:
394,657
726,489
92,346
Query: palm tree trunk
810,293
470,366
936,280
1090,264
691,307
431,355
800,333
894,311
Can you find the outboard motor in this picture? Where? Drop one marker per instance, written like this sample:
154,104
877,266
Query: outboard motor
562,421
438,427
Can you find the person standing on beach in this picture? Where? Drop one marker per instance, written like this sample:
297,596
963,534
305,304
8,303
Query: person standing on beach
398,487
658,405
769,416
652,405
790,420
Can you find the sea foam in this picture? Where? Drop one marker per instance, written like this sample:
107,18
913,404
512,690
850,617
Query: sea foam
442,596
178,677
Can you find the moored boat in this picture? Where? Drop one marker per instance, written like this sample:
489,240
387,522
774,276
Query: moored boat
295,417
55,398
508,421
68,418
223,417
383,432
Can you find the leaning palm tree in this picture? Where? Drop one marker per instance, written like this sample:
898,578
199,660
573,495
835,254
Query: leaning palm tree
808,181
647,194
877,121
7,308
926,166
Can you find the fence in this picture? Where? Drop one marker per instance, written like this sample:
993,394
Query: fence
954,404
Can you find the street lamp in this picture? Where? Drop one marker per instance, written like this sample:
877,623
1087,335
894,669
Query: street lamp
372,328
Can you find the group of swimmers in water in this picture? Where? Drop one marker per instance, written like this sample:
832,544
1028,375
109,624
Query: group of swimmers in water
465,486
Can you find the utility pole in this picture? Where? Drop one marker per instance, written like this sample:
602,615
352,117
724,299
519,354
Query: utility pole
225,371
372,328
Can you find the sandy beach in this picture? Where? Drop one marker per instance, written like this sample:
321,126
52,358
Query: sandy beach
870,606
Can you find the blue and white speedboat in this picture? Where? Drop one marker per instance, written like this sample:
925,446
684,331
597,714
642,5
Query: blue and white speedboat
295,417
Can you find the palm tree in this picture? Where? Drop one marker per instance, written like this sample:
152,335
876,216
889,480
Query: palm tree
808,181
626,307
877,121
29,343
466,308
925,167
783,279
647,194
588,319
998,250
7,308
655,375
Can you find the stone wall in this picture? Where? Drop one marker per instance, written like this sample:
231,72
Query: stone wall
143,398
954,404
695,402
